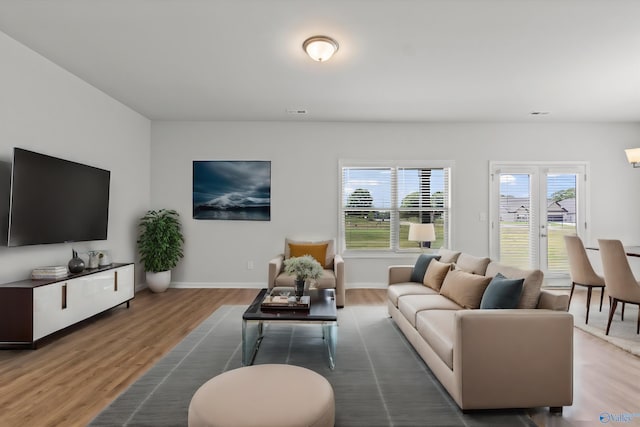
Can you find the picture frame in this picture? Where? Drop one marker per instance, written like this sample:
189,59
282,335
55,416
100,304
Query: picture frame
236,190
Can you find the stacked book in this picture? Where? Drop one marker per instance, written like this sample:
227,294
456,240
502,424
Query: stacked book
49,272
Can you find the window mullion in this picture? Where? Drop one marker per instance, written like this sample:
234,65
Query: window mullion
395,217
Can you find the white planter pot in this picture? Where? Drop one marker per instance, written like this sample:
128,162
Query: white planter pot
158,282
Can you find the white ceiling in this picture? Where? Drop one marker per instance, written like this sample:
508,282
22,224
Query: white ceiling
399,60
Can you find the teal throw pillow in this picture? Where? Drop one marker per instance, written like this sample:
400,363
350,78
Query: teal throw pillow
419,270
502,293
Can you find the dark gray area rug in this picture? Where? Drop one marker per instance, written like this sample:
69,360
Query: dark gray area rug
379,380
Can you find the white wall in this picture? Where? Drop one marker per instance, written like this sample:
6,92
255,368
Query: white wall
304,184
46,109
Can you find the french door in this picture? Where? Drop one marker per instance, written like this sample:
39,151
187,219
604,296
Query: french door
533,205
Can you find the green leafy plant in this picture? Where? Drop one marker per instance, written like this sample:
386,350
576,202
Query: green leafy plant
160,240
303,267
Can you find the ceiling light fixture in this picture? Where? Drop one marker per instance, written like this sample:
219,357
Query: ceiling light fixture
320,48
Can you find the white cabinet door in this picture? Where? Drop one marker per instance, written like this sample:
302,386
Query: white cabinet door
125,286
62,304
50,312
91,294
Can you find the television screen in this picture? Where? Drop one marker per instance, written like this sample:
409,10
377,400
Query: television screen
56,201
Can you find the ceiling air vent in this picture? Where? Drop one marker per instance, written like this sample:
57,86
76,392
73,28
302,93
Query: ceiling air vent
297,111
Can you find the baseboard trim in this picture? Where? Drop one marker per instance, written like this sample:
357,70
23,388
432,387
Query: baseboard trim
218,285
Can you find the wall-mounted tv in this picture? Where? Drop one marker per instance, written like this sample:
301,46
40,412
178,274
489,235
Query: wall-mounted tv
55,200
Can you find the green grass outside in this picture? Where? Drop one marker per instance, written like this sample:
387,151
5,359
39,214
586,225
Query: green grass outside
515,245
364,234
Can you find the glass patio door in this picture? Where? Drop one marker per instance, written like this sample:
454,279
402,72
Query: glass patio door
532,207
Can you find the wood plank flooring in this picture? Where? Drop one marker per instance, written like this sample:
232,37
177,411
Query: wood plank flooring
74,375
605,378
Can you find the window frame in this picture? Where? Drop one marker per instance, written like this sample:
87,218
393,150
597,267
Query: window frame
394,250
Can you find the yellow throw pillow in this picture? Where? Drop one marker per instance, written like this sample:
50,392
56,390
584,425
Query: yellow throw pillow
465,289
436,273
317,251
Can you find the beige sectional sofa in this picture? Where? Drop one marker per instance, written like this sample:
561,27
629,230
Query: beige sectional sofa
488,358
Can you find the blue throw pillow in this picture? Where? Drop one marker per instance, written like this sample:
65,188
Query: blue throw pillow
419,270
502,293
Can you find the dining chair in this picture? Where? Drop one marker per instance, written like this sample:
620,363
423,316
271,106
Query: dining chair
581,271
621,284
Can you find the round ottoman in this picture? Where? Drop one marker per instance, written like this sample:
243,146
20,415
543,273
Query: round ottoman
264,396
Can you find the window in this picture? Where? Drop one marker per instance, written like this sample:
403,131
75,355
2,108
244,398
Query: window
379,201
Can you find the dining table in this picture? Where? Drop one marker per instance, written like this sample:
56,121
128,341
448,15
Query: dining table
633,251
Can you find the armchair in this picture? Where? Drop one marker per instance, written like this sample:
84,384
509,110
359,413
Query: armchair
332,277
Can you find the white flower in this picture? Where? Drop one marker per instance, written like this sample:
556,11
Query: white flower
304,267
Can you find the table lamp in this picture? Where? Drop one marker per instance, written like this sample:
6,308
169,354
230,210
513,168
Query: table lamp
422,233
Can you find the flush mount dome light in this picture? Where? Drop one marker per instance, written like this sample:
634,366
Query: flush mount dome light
320,48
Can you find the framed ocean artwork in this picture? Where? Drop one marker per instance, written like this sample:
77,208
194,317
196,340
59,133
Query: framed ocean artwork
232,190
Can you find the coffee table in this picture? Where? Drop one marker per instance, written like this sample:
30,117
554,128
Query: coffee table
322,311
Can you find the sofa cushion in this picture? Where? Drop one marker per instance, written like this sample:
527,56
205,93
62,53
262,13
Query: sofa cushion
530,287
464,288
410,305
472,264
397,290
327,280
331,249
317,250
502,293
437,328
447,255
553,300
436,272
420,268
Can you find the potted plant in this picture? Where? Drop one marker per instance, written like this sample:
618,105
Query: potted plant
303,268
160,246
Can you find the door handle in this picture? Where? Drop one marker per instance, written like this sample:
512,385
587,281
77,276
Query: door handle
543,235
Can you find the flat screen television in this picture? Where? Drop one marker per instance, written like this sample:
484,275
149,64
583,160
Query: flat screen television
55,200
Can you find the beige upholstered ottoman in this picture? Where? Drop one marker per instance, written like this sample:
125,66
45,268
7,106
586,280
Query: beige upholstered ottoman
264,396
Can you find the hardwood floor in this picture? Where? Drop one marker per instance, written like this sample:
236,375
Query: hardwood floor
605,379
74,375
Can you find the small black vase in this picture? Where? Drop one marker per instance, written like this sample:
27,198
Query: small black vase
299,288
76,264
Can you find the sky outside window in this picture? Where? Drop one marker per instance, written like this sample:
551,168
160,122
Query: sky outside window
378,183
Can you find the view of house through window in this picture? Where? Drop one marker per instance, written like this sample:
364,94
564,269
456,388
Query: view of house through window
536,206
379,202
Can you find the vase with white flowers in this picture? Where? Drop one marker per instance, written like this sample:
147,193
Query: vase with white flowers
303,268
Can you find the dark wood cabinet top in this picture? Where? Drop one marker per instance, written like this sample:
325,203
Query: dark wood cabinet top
31,283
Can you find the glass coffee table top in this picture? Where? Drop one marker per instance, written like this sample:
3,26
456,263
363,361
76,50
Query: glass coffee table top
322,311
322,308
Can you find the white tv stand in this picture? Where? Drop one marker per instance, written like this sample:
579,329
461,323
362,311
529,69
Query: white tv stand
33,309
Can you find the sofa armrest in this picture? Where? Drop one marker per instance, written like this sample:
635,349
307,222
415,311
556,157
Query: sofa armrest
498,351
399,274
551,300
338,269
275,267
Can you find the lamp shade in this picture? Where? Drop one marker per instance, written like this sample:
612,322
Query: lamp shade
320,48
633,156
422,233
